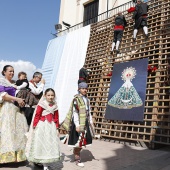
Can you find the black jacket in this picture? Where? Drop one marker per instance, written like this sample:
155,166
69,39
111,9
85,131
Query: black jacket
120,20
141,9
83,73
19,82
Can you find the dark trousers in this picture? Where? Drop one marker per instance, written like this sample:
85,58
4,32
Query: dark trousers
118,34
140,22
28,111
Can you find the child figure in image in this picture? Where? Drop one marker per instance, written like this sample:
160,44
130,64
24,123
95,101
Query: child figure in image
22,82
23,90
43,138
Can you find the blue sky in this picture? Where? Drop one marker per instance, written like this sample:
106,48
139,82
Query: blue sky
25,29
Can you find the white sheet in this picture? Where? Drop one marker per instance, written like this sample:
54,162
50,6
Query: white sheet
52,60
72,60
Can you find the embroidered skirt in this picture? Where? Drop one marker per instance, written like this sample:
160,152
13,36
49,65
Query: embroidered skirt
13,127
45,143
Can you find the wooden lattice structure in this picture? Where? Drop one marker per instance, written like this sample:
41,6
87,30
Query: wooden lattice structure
155,129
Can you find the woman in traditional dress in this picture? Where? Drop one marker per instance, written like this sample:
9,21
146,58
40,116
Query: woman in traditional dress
13,124
43,138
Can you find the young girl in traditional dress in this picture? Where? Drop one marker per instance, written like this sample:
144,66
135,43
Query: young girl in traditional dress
43,140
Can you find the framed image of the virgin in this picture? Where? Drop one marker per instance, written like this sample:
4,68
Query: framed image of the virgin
126,100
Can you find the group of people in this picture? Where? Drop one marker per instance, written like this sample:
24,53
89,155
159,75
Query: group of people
140,17
29,120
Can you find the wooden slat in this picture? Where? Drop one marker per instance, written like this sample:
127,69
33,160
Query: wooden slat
155,129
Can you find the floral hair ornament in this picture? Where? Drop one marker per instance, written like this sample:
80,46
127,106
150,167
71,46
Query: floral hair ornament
152,69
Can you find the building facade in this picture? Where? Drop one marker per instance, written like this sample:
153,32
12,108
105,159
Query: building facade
74,12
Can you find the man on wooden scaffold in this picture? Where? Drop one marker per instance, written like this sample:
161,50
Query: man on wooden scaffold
140,17
120,23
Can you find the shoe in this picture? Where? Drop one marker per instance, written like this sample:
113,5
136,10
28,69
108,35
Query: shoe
80,164
111,52
46,168
147,36
117,52
38,164
134,39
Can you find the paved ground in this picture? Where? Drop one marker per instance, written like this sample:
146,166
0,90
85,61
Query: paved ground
104,155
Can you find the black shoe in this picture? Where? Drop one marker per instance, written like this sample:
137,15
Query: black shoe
147,36
134,39
38,164
111,52
117,52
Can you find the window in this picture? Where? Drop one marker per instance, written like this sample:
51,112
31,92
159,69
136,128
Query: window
90,12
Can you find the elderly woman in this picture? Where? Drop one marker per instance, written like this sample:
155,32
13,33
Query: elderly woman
13,124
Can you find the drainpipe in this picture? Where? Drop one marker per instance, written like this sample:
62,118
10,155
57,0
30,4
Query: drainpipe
107,8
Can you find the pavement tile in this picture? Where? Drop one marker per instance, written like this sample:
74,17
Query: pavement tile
104,155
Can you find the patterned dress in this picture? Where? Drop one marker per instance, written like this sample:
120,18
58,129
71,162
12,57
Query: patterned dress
44,141
13,127
126,97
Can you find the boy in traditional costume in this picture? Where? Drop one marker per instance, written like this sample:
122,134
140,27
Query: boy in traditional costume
79,123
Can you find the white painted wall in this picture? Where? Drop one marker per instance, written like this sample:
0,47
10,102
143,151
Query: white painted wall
72,11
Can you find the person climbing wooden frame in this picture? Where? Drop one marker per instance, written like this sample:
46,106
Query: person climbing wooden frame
83,74
140,17
120,23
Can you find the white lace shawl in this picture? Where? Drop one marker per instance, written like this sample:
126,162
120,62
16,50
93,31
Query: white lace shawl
5,82
47,109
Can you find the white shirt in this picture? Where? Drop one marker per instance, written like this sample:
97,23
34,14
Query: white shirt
23,85
34,90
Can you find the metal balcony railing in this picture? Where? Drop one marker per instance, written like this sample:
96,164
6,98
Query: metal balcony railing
100,17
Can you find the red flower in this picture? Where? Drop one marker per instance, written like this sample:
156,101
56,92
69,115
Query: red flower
109,74
152,68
